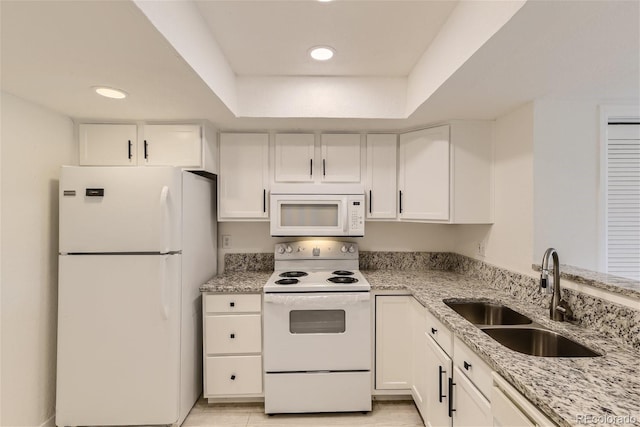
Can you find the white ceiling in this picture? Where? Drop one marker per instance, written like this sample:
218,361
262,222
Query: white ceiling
53,51
371,38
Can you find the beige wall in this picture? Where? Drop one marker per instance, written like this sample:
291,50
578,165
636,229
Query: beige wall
509,241
35,143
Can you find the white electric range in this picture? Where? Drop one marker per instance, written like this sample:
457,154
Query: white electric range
317,330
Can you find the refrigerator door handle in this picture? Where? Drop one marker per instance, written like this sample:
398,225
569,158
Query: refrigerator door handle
164,290
164,220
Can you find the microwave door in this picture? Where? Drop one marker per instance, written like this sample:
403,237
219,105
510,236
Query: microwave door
309,216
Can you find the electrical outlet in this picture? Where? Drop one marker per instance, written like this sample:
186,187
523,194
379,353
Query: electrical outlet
226,241
481,248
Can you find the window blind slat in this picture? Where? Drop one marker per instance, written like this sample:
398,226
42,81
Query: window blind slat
623,200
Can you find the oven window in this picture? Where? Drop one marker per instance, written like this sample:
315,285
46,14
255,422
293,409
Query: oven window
309,215
316,321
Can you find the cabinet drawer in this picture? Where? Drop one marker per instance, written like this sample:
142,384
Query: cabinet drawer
233,334
233,375
440,333
473,367
232,303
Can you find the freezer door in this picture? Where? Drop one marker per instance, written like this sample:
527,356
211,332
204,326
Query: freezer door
120,209
118,340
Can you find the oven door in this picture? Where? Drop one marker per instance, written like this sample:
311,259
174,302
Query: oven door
317,332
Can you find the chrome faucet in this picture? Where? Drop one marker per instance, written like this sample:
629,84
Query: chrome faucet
558,309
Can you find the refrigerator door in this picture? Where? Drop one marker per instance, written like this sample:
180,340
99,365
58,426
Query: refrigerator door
120,209
118,340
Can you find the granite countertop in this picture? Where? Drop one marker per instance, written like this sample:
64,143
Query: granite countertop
237,281
563,388
609,282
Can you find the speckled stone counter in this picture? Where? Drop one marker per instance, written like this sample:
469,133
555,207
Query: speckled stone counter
563,388
609,282
237,281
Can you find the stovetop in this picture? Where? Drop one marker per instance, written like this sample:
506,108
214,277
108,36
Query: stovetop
316,266
317,281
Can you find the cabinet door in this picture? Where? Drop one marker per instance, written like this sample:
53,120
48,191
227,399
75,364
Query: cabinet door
242,184
107,144
419,353
438,371
424,174
381,176
171,145
393,342
341,158
471,407
294,157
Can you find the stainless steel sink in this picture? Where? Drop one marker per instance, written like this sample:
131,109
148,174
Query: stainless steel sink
487,313
539,342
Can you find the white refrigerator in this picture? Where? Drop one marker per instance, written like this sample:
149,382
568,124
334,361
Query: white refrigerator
135,245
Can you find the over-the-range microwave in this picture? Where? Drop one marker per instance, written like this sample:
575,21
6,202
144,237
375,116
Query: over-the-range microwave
310,210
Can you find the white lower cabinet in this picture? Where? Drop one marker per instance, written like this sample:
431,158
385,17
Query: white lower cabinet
232,345
393,342
419,351
511,409
438,367
468,406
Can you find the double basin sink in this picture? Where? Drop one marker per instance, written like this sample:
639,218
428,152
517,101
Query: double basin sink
518,332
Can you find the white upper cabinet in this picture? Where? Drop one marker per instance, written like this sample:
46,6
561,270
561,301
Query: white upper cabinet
341,154
244,176
175,145
445,174
294,153
108,144
190,145
381,184
423,178
337,158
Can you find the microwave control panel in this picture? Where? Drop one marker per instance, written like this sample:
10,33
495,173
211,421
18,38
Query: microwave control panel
355,215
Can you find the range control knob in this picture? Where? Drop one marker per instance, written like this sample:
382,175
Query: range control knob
289,249
352,249
343,249
280,249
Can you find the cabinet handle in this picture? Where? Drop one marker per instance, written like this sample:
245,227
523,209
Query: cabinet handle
400,201
440,395
146,151
433,331
232,304
451,410
467,365
232,336
130,153
264,200
324,167
370,201
233,377
310,167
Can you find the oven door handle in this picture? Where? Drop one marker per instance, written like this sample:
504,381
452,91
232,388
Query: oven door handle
338,299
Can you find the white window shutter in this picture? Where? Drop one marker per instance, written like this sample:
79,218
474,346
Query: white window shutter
623,200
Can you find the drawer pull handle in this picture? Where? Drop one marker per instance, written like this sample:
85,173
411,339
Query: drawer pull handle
467,365
233,377
434,330
232,304
232,336
440,372
451,409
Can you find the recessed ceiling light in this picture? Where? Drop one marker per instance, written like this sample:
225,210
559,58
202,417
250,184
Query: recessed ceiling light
321,53
324,1
110,92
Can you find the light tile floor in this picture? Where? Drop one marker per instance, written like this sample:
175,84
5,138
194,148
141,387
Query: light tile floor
384,414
